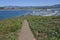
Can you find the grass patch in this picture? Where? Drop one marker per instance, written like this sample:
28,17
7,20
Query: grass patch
9,28
45,28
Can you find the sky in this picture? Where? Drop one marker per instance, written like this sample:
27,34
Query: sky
28,2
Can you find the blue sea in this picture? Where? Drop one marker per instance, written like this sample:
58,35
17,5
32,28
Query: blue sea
12,13
15,13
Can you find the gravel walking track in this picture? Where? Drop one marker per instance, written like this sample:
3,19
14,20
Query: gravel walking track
26,33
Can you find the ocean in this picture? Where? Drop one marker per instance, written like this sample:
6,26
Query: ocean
15,13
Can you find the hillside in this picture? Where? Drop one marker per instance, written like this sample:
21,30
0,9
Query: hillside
30,7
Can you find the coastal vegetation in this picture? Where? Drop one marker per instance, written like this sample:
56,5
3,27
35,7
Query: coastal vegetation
10,27
45,28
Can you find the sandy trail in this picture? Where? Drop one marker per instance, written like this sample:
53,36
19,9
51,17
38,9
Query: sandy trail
26,33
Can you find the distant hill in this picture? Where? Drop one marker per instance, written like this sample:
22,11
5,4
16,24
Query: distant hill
30,7
57,5
12,6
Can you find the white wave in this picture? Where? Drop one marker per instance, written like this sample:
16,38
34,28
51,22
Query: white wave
51,14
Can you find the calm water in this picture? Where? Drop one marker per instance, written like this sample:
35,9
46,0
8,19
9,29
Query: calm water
14,13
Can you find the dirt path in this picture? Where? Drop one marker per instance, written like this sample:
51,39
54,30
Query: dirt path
25,33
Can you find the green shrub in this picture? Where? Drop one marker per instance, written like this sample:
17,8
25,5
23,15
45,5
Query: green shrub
45,28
